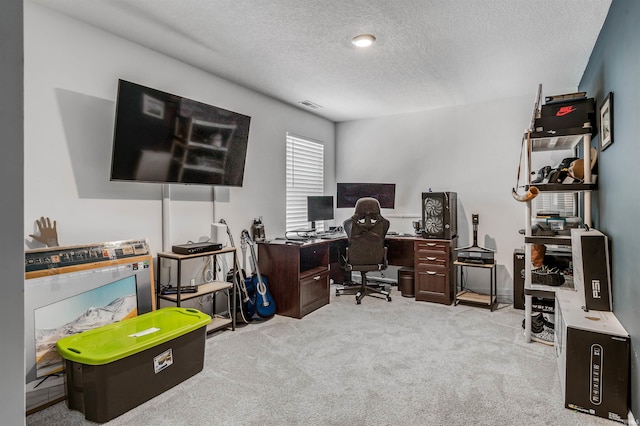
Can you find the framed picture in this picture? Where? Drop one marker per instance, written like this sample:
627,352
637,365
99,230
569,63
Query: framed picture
606,122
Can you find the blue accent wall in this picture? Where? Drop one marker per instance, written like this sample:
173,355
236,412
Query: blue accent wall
614,67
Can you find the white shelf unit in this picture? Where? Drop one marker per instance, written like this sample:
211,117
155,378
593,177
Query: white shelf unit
571,142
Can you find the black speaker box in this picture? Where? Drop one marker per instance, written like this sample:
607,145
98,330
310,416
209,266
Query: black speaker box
591,268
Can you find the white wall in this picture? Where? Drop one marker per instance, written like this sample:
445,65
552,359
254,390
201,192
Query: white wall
473,150
71,74
12,403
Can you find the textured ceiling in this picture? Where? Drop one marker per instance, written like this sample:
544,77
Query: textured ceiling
429,53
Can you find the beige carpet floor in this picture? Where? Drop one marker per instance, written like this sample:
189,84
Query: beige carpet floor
378,363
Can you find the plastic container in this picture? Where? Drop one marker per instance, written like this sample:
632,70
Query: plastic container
114,368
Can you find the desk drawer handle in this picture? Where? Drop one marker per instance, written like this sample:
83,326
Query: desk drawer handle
317,278
431,272
432,258
431,244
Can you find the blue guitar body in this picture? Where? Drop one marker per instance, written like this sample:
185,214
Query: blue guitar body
265,305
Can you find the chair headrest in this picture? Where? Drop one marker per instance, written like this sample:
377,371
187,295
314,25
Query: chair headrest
367,205
367,213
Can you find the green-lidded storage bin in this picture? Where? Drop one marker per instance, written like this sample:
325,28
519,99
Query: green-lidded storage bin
114,368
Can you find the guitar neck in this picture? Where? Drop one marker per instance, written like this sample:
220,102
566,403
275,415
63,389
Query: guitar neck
239,271
254,258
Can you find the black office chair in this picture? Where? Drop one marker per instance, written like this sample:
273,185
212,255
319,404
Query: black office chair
366,251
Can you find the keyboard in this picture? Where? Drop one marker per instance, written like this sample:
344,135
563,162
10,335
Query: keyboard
330,235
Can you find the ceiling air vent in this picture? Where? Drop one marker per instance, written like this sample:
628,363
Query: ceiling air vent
310,104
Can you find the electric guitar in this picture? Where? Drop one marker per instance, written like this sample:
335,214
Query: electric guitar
244,304
265,304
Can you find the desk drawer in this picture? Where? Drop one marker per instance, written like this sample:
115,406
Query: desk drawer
431,253
427,261
433,285
439,266
314,292
431,248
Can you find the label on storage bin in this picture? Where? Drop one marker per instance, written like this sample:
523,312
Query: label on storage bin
145,332
162,361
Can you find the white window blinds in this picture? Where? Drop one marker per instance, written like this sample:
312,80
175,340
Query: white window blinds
552,202
305,176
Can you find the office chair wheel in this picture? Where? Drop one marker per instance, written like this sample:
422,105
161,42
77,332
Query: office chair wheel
358,301
388,298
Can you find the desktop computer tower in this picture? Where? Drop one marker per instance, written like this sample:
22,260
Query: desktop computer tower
439,215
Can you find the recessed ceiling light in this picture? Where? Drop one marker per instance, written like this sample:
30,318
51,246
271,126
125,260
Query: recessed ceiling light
363,40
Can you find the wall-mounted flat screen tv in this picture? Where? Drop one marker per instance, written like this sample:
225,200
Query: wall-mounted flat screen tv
349,193
165,138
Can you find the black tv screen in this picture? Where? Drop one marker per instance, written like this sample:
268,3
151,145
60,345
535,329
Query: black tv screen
319,207
349,193
165,138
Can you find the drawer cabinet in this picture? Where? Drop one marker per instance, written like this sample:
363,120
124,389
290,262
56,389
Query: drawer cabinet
433,265
298,275
314,291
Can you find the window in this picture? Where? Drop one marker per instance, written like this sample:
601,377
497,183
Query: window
562,203
305,176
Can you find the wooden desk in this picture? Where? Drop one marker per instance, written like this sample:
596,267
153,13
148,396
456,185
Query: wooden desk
299,274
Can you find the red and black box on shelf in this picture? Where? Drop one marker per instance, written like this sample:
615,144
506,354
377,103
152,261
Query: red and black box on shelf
564,118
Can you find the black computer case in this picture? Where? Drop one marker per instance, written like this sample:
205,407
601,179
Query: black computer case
440,215
592,355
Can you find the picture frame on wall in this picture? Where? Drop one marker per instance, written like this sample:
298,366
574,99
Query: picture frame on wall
606,122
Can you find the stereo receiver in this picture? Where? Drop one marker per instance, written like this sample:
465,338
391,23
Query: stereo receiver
195,248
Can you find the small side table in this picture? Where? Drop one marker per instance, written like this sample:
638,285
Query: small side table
470,298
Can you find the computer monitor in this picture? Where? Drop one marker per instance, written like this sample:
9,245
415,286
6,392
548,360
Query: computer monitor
319,208
348,194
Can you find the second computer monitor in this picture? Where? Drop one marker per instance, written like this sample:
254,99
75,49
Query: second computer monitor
348,194
319,208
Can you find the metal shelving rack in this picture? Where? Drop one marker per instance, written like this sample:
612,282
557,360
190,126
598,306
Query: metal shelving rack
213,287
